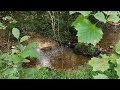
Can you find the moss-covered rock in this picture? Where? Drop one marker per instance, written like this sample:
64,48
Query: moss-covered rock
85,49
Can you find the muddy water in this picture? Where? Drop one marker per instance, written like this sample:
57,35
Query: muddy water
61,59
56,57
65,58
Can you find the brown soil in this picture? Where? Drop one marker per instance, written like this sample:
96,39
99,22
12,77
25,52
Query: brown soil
110,37
69,60
5,44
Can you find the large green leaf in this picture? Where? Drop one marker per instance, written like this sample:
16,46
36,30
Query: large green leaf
86,31
78,20
32,45
100,76
30,50
24,38
113,18
117,47
100,16
99,64
16,32
30,53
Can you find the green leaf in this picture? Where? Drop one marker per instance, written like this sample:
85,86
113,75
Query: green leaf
30,50
78,20
30,53
24,38
100,16
106,12
16,33
118,71
85,13
32,45
113,58
117,47
15,58
86,31
113,18
113,13
15,51
118,62
100,76
99,64
20,47
2,26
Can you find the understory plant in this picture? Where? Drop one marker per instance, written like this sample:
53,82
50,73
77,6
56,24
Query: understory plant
106,67
88,32
11,62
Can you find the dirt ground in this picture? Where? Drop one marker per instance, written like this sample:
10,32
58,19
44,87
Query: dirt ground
110,37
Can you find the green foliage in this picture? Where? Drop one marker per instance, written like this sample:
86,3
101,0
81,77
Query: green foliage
16,33
117,47
2,26
100,16
47,73
100,76
85,49
84,13
15,58
7,23
107,65
10,19
87,32
100,63
24,51
11,62
113,18
30,51
24,38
